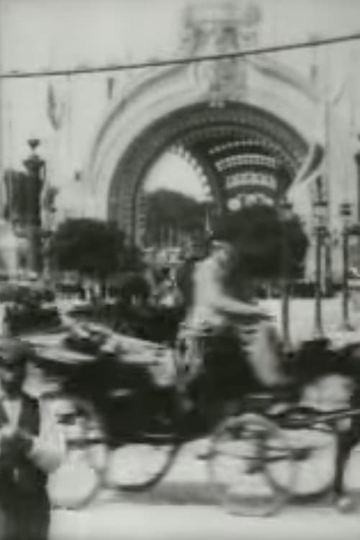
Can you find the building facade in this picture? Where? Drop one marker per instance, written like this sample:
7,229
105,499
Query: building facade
254,128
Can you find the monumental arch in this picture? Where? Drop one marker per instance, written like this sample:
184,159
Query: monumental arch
247,123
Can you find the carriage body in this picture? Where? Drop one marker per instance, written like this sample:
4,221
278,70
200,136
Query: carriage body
148,392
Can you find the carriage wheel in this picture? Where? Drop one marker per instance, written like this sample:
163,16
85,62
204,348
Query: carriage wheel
245,454
143,457
140,465
314,451
77,481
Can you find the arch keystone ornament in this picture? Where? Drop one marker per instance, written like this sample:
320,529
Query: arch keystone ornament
214,109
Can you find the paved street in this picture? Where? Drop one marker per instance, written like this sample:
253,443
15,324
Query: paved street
139,521
302,315
182,506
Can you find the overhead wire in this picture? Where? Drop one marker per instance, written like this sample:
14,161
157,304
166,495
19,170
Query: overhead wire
83,70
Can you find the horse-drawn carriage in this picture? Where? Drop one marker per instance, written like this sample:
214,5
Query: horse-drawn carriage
130,404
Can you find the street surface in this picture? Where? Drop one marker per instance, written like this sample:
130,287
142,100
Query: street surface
302,316
139,521
182,506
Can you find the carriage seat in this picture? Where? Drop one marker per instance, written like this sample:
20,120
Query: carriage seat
120,393
264,398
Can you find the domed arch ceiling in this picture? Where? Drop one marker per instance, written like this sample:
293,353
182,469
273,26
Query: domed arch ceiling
225,141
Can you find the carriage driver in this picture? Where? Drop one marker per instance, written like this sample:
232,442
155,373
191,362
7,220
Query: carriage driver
214,306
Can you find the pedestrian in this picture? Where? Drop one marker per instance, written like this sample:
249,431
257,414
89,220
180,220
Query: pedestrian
31,446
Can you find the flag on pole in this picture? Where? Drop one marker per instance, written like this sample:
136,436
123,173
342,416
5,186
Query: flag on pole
110,84
313,166
55,108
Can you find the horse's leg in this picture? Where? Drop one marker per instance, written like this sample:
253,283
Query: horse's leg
345,443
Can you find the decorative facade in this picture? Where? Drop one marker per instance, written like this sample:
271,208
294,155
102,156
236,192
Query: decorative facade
254,127
221,111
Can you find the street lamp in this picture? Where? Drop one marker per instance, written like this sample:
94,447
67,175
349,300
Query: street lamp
320,215
35,167
345,213
285,209
208,201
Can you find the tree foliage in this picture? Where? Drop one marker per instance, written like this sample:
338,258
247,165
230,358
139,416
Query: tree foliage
93,248
171,208
260,236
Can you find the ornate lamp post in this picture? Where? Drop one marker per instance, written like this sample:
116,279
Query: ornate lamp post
208,201
320,214
285,209
345,213
35,167
208,230
357,163
48,231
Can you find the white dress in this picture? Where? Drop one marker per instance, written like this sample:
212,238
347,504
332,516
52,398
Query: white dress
207,287
212,307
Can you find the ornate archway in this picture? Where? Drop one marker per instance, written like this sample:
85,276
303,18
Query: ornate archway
231,115
206,132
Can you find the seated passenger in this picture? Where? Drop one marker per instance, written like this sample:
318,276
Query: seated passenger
216,307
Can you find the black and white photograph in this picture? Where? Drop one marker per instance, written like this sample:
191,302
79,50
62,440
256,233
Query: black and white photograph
179,269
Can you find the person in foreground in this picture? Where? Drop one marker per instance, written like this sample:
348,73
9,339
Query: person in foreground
31,447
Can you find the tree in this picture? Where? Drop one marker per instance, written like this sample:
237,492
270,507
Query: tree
93,248
258,235
166,207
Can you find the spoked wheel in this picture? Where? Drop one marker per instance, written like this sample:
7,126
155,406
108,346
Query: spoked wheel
314,451
143,455
141,463
76,482
246,453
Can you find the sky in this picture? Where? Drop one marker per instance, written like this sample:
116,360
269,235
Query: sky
182,178
63,32
41,34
